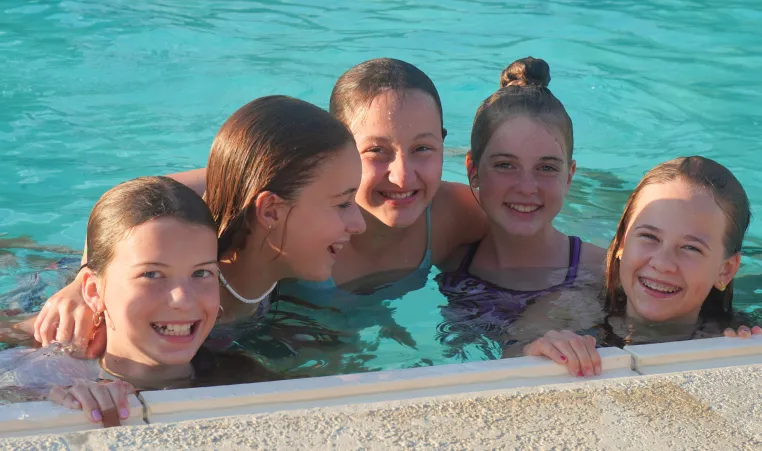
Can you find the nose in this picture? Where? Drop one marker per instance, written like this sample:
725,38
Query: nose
401,171
355,223
181,296
663,260
527,183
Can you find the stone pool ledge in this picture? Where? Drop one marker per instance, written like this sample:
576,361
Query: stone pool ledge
527,401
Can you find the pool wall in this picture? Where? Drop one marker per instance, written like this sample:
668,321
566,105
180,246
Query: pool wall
632,366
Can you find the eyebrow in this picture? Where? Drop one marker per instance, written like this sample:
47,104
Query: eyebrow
164,265
418,136
346,192
687,237
510,155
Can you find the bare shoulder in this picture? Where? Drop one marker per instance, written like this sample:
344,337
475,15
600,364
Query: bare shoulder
456,219
592,255
194,179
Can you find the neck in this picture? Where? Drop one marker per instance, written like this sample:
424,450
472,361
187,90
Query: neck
252,274
634,317
377,235
145,375
538,251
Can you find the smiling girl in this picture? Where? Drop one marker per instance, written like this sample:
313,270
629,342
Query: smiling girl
671,264
157,296
521,162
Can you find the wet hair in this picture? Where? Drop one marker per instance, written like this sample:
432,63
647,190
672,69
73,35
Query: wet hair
729,195
356,88
523,92
135,202
275,144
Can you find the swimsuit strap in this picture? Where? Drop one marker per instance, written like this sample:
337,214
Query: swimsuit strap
575,248
465,264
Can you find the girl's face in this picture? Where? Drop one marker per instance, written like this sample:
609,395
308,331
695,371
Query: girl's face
160,292
323,218
400,141
523,177
673,252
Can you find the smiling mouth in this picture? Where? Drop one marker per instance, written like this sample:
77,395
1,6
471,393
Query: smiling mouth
335,248
176,330
659,287
398,196
524,208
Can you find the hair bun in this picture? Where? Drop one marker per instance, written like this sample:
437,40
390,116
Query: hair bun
526,72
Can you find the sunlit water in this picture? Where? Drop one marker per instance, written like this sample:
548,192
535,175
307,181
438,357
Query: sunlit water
94,93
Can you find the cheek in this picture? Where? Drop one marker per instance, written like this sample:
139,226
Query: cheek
372,173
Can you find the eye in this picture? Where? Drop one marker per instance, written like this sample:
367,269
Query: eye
423,148
548,168
199,273
688,247
503,165
375,149
151,274
648,236
345,205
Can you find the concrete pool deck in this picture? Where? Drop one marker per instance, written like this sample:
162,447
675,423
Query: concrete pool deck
644,400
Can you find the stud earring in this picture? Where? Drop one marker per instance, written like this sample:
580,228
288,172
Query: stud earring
619,254
723,286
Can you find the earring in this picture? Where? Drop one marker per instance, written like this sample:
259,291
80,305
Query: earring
619,254
723,286
97,319
219,315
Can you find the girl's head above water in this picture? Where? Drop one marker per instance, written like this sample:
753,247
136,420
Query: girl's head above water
284,172
521,150
395,114
152,270
678,243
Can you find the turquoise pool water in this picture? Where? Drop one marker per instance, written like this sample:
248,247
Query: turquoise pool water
93,93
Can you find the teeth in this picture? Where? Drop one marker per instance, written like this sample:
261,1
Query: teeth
398,195
335,248
524,208
659,287
175,330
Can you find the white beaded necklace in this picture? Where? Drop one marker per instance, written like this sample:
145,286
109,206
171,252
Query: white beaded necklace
225,284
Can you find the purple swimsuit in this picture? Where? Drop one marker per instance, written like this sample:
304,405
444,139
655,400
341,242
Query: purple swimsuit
478,307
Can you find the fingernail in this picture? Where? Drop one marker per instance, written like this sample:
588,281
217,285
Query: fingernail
580,373
77,404
96,415
124,413
563,357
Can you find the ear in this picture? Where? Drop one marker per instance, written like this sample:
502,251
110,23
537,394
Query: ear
473,179
728,270
269,209
572,171
444,133
92,291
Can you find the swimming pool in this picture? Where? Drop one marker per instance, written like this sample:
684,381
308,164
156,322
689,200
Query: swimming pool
94,93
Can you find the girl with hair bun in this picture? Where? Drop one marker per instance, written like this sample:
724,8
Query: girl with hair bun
521,162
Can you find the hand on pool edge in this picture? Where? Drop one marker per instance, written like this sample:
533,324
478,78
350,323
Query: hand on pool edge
743,332
577,352
98,400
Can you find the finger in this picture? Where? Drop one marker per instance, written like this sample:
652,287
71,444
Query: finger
594,355
39,320
60,395
89,405
730,333
572,360
756,330
48,326
108,410
118,391
97,346
65,329
83,330
744,332
585,361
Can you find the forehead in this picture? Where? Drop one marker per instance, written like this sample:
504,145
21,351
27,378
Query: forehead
526,138
336,174
160,239
412,111
678,206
